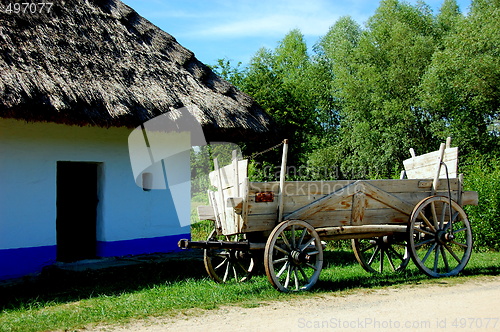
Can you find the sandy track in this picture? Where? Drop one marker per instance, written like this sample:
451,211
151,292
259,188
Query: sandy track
441,306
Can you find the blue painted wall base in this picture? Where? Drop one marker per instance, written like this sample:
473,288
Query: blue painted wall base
20,262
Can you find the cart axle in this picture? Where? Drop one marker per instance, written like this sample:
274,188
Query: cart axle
186,244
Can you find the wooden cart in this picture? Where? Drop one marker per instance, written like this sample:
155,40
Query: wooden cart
418,216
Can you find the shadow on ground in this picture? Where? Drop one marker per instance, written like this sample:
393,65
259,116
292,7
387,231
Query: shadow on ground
76,281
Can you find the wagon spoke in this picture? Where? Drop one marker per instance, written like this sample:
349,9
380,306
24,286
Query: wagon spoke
463,245
296,277
311,253
427,222
280,260
304,275
293,236
443,213
459,230
397,254
436,259
390,261
421,230
452,253
226,273
370,261
382,260
221,264
311,266
285,240
371,246
242,267
429,252
424,242
434,214
445,259
308,243
281,250
235,273
287,280
304,232
285,266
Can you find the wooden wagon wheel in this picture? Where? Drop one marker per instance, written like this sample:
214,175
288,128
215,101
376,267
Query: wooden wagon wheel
440,237
384,252
293,256
224,265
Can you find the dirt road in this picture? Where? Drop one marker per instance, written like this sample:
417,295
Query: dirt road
440,306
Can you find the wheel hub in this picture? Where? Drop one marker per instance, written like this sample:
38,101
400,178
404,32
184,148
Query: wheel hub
443,237
299,257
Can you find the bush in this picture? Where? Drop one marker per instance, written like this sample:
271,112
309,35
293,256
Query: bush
482,174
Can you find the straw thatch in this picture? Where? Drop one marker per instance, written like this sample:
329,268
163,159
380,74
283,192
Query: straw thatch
100,63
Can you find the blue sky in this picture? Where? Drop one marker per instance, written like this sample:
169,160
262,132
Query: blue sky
236,29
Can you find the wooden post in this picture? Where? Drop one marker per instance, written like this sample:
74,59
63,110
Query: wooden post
222,207
448,142
282,181
236,174
435,183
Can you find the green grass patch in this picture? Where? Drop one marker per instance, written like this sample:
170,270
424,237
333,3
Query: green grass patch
63,300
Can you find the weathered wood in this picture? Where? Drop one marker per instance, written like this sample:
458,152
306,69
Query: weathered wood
359,204
206,212
282,181
386,198
424,166
227,174
305,212
311,188
435,182
235,203
329,231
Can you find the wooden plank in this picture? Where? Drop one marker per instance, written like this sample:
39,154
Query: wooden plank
244,212
435,182
424,166
282,192
213,203
227,174
329,231
359,204
297,188
387,198
304,213
470,198
206,212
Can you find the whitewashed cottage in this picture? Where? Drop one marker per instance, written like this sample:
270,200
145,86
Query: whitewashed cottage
74,83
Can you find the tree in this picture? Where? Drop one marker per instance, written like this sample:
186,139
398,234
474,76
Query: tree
461,87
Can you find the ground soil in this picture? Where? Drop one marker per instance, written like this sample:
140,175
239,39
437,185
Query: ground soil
441,305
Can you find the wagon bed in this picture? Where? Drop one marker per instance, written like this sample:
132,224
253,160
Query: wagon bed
387,220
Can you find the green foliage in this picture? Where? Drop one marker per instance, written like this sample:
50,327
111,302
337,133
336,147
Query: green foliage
354,106
460,89
482,174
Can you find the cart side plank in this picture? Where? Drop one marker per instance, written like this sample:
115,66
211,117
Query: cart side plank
425,165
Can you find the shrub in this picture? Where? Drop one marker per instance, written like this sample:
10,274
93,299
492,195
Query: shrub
482,174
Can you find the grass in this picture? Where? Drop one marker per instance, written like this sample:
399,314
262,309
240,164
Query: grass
64,300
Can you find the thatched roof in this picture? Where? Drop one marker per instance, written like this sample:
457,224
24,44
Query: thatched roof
97,62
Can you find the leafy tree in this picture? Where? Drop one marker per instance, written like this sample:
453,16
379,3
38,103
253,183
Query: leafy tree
377,73
461,87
